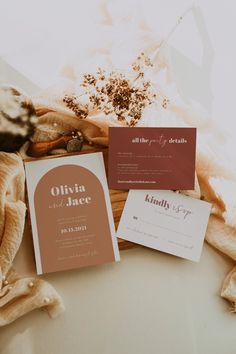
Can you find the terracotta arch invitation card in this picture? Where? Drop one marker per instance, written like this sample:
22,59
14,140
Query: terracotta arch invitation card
70,211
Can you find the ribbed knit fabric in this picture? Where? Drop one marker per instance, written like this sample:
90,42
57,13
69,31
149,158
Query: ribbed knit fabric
18,295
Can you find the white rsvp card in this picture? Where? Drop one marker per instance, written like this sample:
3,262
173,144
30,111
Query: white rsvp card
166,221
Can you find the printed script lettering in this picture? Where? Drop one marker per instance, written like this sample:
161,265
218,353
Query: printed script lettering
167,205
161,140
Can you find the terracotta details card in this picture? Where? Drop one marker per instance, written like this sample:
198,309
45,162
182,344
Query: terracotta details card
166,221
70,210
152,158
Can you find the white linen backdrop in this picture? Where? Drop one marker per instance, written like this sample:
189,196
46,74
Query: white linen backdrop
38,38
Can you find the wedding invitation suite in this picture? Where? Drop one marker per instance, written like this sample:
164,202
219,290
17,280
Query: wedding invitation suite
70,210
152,158
166,221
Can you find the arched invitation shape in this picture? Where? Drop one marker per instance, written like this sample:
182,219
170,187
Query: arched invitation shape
72,220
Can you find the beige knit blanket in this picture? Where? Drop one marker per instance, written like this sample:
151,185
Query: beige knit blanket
18,294
216,179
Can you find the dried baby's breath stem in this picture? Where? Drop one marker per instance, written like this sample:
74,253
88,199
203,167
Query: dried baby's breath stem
115,94
72,103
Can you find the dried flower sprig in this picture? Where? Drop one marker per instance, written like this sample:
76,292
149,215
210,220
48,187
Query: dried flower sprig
72,102
115,94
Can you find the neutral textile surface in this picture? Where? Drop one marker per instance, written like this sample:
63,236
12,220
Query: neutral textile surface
18,294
